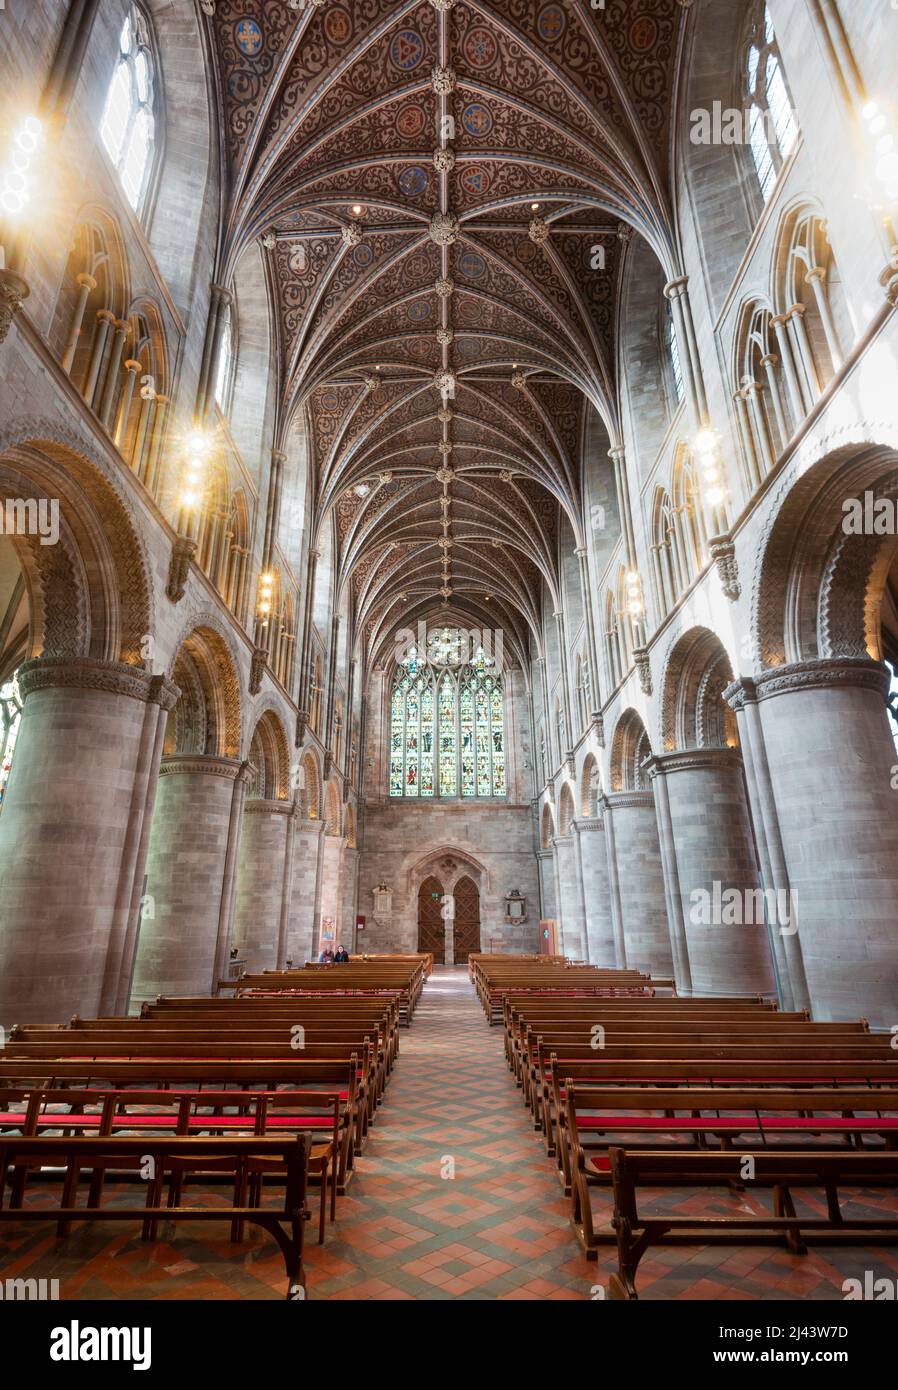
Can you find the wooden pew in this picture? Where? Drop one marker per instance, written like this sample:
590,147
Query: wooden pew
634,1232
285,1223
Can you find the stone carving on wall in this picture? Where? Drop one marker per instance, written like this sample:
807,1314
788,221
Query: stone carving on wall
383,904
515,907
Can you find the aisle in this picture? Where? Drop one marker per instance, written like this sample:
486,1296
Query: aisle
407,1229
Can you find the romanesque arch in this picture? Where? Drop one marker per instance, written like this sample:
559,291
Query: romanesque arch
590,786
207,717
270,759
630,747
565,810
693,711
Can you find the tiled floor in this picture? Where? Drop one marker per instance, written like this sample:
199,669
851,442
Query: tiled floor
453,1198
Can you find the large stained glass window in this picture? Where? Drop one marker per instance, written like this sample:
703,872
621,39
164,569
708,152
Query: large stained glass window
447,724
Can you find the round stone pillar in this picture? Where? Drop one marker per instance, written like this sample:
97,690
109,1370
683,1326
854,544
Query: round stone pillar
263,889
306,892
185,931
636,883
713,888
73,835
569,892
832,764
592,865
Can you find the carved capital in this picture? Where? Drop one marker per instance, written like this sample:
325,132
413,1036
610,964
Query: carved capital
209,764
257,670
723,553
182,552
302,723
643,669
827,674
85,673
13,290
693,760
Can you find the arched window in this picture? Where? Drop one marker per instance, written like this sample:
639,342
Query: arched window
224,370
10,714
773,129
447,725
673,352
761,397
128,126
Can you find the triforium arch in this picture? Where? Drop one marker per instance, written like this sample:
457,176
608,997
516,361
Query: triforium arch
565,810
311,786
693,711
630,748
823,584
547,827
590,786
89,591
269,756
207,717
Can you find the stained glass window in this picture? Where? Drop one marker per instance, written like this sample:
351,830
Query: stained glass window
11,714
128,124
447,722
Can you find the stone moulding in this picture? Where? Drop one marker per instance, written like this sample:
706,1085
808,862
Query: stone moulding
723,552
85,673
182,553
825,674
693,760
615,800
209,764
261,805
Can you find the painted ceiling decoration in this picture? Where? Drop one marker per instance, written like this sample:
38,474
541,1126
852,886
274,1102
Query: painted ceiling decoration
445,191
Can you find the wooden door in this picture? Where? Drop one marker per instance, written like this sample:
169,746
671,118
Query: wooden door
431,927
467,919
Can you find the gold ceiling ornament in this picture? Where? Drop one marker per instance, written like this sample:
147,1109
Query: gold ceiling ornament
371,382
444,415
444,228
538,231
444,159
351,233
208,7
446,591
385,477
444,286
442,5
443,81
445,474
519,381
445,542
444,336
269,241
444,446
506,475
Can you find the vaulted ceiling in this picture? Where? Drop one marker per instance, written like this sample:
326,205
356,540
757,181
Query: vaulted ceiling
445,190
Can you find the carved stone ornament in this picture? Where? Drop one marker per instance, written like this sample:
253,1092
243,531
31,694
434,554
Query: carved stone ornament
444,336
371,382
538,231
13,289
182,552
444,415
382,911
643,670
723,553
443,80
444,228
257,670
269,241
208,7
444,159
444,447
598,725
385,477
302,723
519,381
351,233
445,287
442,6
444,381
445,475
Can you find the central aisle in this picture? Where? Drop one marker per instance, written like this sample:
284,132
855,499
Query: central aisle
408,1229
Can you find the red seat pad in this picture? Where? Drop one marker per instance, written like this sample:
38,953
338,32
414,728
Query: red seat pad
601,1164
622,1121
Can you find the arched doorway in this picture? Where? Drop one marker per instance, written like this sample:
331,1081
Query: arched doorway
467,919
431,927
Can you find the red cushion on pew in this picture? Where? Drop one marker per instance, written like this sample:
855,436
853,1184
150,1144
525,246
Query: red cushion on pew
623,1121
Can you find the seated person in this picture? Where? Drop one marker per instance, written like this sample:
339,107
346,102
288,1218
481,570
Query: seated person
326,957
342,954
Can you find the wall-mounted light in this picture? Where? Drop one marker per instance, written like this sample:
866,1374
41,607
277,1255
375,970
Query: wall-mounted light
634,594
197,447
885,149
706,448
266,590
17,177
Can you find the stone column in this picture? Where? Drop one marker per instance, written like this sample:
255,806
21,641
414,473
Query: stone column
350,896
86,285
714,853
787,960
546,862
592,862
570,896
112,383
183,947
72,835
260,881
308,847
636,883
831,758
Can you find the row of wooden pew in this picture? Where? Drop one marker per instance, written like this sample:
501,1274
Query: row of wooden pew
270,1091
494,976
636,1094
